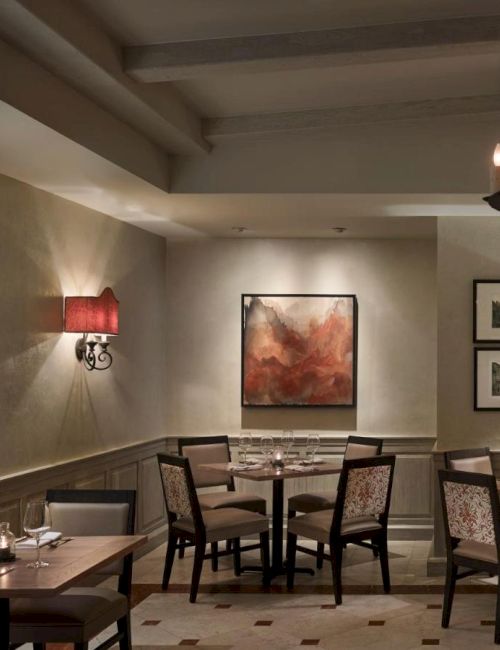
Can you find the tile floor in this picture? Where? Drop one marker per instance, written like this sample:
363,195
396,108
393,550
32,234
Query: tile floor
236,613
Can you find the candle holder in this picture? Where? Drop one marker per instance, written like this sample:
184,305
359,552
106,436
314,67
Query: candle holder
278,458
7,543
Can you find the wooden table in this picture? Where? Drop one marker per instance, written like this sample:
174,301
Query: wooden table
68,563
278,478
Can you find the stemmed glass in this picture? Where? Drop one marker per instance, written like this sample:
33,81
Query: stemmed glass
312,445
266,447
244,443
37,521
288,439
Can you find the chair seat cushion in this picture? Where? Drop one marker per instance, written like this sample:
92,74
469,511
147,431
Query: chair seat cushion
229,499
226,523
316,525
476,551
312,501
76,615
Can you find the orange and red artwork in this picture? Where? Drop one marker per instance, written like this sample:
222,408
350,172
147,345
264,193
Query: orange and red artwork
299,350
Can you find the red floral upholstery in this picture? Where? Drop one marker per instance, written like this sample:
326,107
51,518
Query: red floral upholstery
176,490
470,515
366,491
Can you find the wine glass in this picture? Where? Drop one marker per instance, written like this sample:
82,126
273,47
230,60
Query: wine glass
37,521
288,439
312,445
266,447
244,444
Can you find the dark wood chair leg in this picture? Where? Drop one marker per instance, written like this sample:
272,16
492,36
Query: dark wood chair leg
37,646
384,563
237,556
181,548
124,628
449,592
291,553
169,559
336,559
376,551
215,560
81,646
320,555
497,616
229,545
199,553
264,558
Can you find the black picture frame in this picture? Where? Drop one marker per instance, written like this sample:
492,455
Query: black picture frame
481,308
484,401
245,403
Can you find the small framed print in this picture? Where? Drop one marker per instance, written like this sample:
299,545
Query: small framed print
487,379
486,311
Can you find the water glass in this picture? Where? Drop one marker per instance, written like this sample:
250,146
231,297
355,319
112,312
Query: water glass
312,445
37,521
267,447
288,439
244,444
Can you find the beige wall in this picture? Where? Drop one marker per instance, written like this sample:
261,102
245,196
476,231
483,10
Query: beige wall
51,409
468,249
395,284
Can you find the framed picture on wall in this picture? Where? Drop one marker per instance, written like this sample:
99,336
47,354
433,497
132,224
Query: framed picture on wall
487,379
486,311
298,350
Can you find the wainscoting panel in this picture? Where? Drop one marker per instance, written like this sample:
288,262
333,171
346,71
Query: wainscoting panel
133,467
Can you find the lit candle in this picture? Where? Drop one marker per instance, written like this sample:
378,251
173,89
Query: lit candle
278,458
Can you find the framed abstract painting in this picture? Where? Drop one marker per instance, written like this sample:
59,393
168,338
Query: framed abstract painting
486,311
298,350
487,379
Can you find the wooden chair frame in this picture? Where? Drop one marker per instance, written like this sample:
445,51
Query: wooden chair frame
356,440
198,539
338,541
475,566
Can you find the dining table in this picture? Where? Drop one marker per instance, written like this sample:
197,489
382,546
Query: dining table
69,560
278,476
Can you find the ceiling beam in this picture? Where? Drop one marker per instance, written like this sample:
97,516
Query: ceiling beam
221,127
369,44
70,44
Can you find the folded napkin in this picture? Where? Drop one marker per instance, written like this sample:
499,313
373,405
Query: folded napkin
297,468
241,467
46,538
317,461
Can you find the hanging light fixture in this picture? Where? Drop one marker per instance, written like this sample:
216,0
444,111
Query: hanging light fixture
494,199
95,318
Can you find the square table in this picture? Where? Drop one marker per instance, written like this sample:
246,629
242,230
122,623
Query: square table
68,563
277,476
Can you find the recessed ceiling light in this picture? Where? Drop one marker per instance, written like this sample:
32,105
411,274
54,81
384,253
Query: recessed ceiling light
239,228
338,229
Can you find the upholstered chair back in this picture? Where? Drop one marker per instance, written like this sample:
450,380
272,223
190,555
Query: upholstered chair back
80,513
360,447
176,489
468,506
364,491
205,450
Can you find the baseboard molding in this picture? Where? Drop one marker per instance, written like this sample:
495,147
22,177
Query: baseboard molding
436,566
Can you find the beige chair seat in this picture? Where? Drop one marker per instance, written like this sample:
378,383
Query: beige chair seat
214,500
75,616
313,501
317,525
476,551
226,523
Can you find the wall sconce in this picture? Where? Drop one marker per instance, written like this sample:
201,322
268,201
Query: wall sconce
95,319
493,200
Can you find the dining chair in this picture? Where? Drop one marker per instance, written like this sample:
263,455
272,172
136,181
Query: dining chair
215,449
186,519
470,460
471,513
357,447
81,613
359,517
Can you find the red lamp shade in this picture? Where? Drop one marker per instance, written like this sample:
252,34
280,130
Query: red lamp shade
89,315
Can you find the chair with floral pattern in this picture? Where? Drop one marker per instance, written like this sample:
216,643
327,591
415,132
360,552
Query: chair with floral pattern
471,513
187,520
357,447
359,517
470,460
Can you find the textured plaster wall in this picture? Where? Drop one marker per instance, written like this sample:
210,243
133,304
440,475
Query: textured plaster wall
468,249
51,409
395,283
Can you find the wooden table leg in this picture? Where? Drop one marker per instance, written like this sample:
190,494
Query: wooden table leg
4,624
277,546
